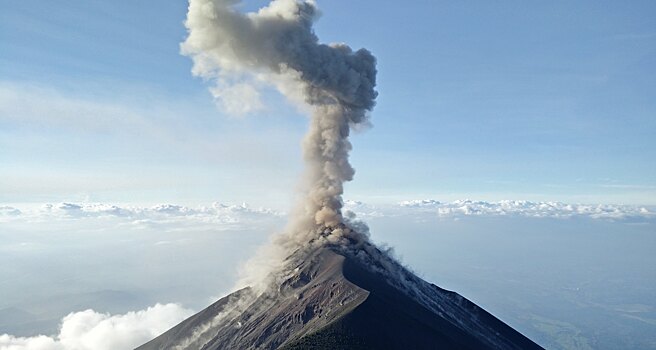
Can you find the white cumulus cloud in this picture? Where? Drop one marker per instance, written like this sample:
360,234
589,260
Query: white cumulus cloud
90,330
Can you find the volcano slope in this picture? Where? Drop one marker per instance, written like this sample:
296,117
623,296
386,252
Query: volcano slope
337,298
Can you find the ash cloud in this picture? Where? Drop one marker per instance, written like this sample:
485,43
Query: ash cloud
277,46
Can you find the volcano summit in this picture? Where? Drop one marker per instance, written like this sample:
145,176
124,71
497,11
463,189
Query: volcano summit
321,284
335,298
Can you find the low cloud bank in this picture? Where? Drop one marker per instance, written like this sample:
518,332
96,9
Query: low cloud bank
233,216
162,210
464,208
219,216
90,330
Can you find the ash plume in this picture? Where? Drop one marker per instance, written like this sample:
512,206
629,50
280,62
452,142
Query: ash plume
277,46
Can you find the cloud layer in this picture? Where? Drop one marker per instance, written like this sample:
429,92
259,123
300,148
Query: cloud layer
224,216
90,330
221,216
465,208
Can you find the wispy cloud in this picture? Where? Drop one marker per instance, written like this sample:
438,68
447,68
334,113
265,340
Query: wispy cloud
56,142
630,187
36,105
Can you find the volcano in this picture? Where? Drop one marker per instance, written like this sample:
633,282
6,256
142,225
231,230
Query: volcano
332,297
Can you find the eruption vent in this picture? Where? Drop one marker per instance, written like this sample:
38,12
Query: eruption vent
278,46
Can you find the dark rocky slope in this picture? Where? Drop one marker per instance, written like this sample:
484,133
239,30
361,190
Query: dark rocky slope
333,300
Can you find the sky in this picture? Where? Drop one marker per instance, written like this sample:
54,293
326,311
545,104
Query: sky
505,100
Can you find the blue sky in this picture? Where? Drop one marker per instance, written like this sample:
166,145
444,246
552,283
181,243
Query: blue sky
484,100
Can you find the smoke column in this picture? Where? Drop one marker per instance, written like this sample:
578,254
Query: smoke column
277,46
